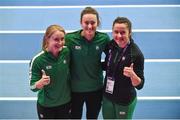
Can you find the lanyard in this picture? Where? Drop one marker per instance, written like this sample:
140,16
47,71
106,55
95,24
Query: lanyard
118,61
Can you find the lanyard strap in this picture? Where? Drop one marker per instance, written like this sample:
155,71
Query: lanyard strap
119,60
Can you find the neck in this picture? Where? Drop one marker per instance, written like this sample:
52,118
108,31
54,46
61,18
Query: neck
88,38
55,53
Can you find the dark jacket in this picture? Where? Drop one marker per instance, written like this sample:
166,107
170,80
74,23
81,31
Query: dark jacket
124,92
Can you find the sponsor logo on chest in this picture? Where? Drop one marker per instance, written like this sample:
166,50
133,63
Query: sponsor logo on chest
79,47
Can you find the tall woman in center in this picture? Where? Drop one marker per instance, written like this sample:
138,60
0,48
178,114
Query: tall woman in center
86,46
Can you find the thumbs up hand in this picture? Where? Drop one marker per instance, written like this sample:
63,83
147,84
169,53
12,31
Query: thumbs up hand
43,72
129,71
45,80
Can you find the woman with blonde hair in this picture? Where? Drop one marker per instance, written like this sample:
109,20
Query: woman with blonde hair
49,75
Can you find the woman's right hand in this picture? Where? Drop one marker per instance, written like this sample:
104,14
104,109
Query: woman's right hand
45,80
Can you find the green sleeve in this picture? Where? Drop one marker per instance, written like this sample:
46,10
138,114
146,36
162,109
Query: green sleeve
35,75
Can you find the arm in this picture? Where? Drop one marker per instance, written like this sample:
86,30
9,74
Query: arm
136,72
104,63
129,72
106,50
38,77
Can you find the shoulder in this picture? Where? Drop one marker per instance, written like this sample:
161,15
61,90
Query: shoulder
136,50
65,53
111,44
136,47
103,37
72,37
102,34
65,49
72,34
37,58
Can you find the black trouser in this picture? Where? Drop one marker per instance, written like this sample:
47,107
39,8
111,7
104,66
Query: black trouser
58,112
93,104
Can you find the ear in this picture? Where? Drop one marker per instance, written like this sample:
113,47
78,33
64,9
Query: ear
130,34
80,22
98,23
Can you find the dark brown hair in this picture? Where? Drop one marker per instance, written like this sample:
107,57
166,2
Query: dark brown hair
90,10
123,20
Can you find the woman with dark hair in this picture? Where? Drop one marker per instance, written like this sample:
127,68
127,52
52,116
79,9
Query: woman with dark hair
86,46
124,65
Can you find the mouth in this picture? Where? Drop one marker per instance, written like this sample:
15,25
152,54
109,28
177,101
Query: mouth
89,31
58,46
121,42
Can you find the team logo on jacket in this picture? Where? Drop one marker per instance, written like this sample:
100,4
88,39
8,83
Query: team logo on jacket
123,58
122,112
77,47
97,47
48,67
64,62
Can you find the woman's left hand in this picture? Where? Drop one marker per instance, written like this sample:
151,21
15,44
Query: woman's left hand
129,71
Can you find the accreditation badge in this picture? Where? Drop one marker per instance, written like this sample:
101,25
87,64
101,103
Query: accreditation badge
110,85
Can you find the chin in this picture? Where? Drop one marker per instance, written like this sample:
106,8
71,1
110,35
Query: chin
123,46
90,32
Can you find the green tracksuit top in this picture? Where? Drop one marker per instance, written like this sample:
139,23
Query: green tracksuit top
58,91
85,66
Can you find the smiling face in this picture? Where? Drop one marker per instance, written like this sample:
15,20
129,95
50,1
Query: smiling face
89,24
121,34
55,42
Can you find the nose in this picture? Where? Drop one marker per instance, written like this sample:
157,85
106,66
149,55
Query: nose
119,35
89,26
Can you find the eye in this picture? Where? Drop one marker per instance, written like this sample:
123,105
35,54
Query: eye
90,22
123,32
56,39
86,22
62,39
116,31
